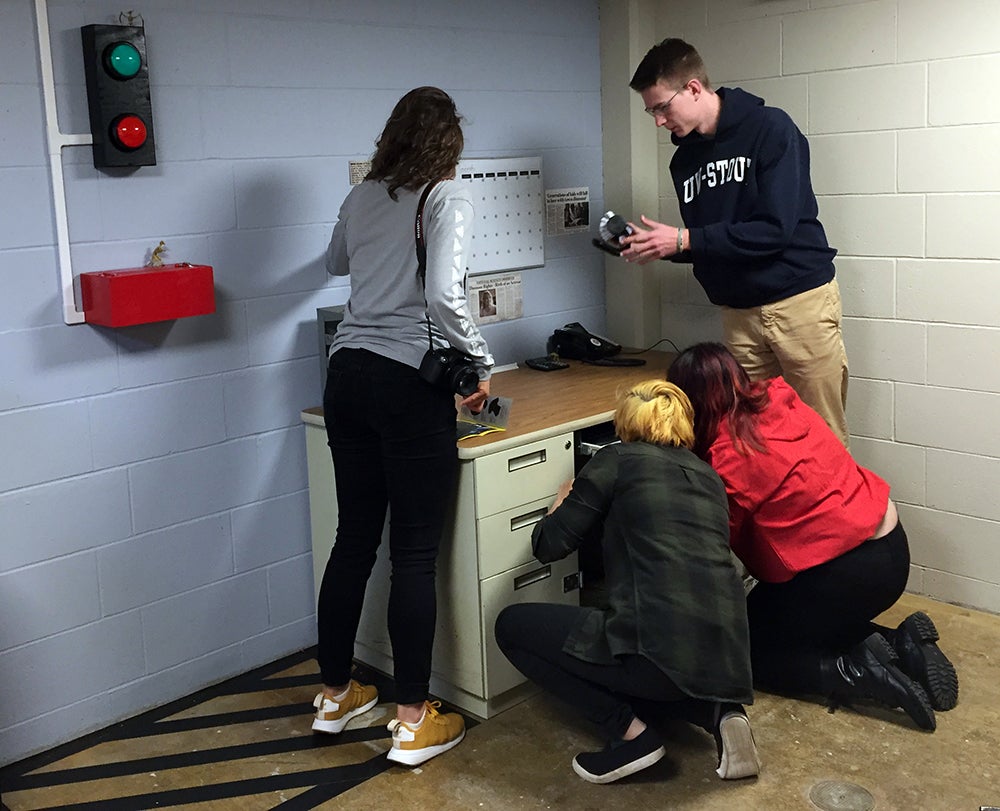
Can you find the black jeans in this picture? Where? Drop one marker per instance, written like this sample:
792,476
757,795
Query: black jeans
531,636
392,437
824,612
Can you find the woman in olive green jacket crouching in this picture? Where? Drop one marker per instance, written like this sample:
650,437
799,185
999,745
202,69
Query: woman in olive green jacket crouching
675,625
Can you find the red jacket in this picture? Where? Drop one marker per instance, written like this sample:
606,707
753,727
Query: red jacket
801,502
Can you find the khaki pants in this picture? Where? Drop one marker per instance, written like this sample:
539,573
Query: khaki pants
800,339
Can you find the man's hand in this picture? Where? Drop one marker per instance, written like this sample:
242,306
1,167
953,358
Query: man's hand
656,241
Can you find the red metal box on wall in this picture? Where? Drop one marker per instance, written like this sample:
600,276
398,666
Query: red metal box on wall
121,298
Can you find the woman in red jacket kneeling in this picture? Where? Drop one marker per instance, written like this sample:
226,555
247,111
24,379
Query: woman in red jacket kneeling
821,535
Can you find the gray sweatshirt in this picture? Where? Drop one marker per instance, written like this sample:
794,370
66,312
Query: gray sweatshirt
373,242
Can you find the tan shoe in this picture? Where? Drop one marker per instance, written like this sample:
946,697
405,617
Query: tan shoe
437,733
332,716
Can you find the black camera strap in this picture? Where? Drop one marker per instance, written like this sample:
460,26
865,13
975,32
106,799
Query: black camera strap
421,243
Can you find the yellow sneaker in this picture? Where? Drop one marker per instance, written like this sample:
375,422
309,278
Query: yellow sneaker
332,716
437,733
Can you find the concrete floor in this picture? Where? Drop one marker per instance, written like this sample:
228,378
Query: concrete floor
521,758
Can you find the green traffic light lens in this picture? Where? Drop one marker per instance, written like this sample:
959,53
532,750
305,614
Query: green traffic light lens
123,60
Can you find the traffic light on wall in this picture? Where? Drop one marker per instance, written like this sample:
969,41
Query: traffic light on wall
121,115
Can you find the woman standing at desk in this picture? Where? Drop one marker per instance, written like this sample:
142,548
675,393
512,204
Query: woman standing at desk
391,433
675,629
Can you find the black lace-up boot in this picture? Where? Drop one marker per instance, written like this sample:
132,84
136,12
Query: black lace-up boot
871,671
915,641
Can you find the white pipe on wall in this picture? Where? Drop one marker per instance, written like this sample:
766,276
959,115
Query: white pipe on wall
56,141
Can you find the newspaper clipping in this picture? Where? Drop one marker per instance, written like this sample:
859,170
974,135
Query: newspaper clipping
567,211
495,298
357,170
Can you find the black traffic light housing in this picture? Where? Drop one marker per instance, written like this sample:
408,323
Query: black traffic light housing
121,114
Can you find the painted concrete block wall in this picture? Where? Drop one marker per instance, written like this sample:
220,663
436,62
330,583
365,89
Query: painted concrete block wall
905,165
154,528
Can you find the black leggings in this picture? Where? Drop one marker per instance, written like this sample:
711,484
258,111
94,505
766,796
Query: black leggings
392,437
531,636
824,612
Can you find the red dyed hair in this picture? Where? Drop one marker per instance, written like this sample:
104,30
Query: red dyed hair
720,390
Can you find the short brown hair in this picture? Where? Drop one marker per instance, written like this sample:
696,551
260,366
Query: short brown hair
655,411
673,60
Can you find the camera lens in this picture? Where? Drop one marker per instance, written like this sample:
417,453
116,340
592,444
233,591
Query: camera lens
465,381
617,226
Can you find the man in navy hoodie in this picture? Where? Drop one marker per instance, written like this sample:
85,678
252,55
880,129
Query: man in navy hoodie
751,227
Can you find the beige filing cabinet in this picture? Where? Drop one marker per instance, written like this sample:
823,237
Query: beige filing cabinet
506,483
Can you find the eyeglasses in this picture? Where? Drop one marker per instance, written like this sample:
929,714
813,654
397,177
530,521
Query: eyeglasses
661,108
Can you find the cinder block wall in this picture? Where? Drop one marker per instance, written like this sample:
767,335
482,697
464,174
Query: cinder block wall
894,97
154,520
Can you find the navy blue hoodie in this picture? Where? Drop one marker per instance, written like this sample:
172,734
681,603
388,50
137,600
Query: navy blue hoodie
746,196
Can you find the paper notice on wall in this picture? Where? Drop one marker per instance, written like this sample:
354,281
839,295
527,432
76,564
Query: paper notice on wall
567,211
496,298
357,170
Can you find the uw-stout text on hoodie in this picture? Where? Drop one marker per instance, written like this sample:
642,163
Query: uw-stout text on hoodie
746,197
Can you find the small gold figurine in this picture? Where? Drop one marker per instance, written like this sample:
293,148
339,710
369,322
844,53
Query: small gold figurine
156,257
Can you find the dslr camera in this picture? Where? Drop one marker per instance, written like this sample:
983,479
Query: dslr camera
449,369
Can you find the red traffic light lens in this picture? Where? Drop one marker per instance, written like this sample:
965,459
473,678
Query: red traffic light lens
129,131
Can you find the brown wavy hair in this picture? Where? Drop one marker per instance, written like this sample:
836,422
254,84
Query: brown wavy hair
422,141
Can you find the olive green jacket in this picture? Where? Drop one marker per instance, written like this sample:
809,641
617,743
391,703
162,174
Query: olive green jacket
674,595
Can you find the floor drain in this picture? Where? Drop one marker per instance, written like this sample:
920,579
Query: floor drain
833,795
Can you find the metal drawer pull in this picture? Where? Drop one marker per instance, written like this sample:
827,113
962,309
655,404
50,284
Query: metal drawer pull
537,576
529,459
591,448
528,519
